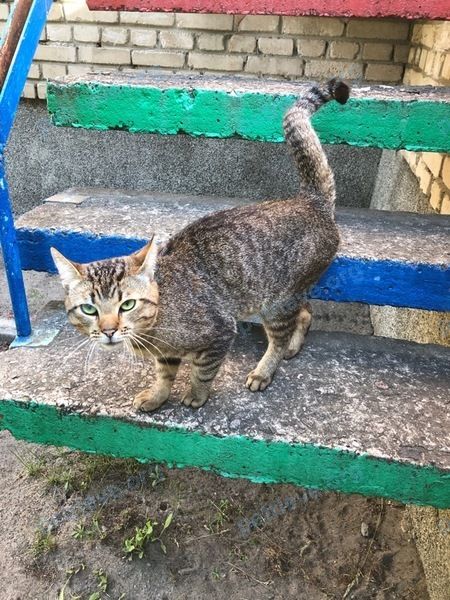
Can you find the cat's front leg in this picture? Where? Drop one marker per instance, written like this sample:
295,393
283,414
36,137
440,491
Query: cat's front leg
166,371
205,365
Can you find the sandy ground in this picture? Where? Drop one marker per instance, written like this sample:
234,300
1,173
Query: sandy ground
65,516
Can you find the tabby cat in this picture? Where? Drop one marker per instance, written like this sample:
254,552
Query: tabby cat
183,300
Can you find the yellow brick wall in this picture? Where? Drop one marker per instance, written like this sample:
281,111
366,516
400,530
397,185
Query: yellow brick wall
429,64
76,40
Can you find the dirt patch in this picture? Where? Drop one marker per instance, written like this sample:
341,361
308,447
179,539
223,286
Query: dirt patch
65,518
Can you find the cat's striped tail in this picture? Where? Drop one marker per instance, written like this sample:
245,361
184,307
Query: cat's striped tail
314,171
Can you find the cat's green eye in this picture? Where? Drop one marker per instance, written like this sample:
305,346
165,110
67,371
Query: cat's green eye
128,305
89,309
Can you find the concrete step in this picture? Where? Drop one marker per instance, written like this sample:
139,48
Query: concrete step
413,9
396,259
350,413
222,107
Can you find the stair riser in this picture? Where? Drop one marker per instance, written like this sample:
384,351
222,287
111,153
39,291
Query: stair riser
382,282
381,122
233,456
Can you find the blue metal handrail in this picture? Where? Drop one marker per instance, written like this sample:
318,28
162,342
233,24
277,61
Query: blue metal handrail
9,99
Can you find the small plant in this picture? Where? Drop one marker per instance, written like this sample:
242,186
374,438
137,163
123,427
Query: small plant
61,477
96,530
220,517
43,543
79,531
95,468
102,580
33,465
83,531
102,584
156,477
70,573
135,546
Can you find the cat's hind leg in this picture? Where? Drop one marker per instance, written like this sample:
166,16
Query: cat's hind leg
280,325
304,317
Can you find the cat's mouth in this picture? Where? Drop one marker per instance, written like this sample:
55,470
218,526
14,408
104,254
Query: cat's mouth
108,341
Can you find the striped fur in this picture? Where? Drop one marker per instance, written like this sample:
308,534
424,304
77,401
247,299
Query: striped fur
314,171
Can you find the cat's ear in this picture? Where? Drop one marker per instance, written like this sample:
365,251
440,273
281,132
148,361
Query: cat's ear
70,272
144,260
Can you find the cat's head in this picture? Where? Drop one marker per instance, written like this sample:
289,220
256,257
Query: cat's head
113,299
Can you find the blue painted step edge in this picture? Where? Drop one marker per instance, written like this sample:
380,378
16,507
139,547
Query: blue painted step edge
381,282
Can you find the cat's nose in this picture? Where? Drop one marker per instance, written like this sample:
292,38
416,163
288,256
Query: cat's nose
109,332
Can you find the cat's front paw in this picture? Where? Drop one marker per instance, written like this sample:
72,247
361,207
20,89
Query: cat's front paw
256,382
194,400
149,400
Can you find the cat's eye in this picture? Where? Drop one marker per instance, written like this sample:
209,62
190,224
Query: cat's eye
128,305
88,309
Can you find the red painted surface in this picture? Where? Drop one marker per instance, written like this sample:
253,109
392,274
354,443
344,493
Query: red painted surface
409,9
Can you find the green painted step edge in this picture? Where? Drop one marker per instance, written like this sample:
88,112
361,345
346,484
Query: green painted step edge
382,123
232,456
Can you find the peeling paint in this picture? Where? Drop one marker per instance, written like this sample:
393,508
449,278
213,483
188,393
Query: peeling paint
382,117
407,9
231,456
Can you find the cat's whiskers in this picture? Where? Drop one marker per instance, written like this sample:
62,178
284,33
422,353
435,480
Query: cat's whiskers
153,337
143,343
138,347
77,348
86,358
126,351
131,354
89,355
140,341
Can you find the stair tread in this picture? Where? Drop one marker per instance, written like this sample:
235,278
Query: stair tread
396,259
373,397
379,116
367,234
236,84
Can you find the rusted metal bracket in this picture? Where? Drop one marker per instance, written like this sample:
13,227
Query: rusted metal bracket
14,29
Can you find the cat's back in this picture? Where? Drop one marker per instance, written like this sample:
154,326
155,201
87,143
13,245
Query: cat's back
259,248
272,220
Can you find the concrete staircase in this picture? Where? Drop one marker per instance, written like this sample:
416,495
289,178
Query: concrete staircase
350,413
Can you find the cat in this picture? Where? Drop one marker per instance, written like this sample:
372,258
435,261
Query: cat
183,300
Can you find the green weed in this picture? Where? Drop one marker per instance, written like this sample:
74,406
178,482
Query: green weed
70,573
156,477
61,477
102,580
135,545
32,464
89,530
220,517
43,543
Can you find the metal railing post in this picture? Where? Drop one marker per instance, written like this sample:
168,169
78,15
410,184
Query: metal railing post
11,259
17,49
